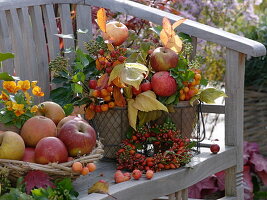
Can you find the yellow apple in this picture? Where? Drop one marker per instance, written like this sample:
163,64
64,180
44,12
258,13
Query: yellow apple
12,146
51,110
116,32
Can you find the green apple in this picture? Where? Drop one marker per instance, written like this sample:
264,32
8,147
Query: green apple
12,146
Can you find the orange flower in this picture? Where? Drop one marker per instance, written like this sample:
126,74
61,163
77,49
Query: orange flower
9,105
28,97
33,84
18,109
34,109
4,96
37,91
24,85
10,86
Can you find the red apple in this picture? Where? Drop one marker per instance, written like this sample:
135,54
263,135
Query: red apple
163,59
136,91
49,150
29,155
78,136
163,84
66,119
116,32
215,148
145,86
36,128
51,110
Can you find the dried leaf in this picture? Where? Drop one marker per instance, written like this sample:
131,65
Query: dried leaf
133,74
102,82
132,114
102,19
116,71
147,101
117,81
145,117
163,37
101,187
118,97
89,114
98,63
175,43
167,27
209,95
37,179
177,23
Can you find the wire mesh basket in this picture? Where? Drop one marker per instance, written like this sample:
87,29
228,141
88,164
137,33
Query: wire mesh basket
255,118
113,125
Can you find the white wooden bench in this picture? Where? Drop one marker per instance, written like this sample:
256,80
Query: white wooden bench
26,25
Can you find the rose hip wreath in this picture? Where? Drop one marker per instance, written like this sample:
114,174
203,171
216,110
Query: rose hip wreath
158,147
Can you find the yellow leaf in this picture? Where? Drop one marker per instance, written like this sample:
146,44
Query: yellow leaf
102,19
163,37
115,72
175,43
133,74
209,95
167,27
147,101
132,114
110,47
177,23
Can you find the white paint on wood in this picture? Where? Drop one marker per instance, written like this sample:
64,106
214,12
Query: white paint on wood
5,44
84,22
51,30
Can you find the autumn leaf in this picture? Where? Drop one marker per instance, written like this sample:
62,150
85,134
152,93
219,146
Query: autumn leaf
118,97
89,114
37,179
167,27
145,117
101,187
117,81
78,110
102,19
98,63
208,96
147,101
132,114
115,72
177,23
175,44
102,82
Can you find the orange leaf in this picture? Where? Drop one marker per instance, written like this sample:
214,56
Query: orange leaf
110,47
167,27
102,82
98,63
174,43
164,37
117,81
118,97
178,23
89,114
102,19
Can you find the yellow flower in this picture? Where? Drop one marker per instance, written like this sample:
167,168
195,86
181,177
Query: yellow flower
28,97
24,85
33,84
10,86
9,105
34,109
18,109
4,96
37,91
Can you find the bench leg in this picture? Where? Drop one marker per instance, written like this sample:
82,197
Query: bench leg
233,183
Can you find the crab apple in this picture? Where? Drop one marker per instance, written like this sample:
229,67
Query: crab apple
92,84
136,91
127,176
149,174
214,148
145,86
163,84
163,59
116,32
136,174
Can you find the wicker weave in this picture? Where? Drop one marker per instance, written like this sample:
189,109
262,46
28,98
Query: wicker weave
255,118
54,170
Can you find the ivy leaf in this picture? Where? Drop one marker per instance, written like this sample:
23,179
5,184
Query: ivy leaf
209,95
15,193
132,114
78,77
102,19
147,101
5,56
6,77
37,179
68,109
76,88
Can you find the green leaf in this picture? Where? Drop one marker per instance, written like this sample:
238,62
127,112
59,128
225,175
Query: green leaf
193,99
82,57
209,95
156,29
129,133
76,88
132,58
68,109
78,66
204,82
145,117
5,56
6,77
15,194
78,77
171,99
185,37
58,80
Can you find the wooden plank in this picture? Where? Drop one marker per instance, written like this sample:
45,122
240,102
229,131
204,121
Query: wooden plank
67,28
17,45
41,50
163,183
234,105
5,44
27,34
218,109
84,21
185,194
51,30
190,27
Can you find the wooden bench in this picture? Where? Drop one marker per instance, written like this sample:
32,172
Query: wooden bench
27,28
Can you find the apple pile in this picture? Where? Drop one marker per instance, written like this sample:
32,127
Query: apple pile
48,137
